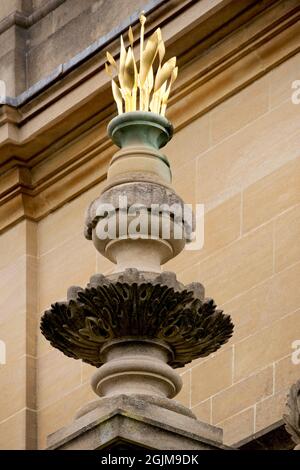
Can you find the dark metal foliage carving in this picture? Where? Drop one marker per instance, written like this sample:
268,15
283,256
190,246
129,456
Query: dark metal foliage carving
136,304
292,419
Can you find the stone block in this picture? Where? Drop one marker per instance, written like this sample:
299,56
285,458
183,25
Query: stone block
242,395
221,227
243,108
86,372
264,303
69,10
60,413
19,431
73,16
218,368
18,287
65,222
238,427
270,410
36,4
287,235
57,376
267,346
8,41
71,263
237,267
184,182
13,61
271,195
203,411
197,136
41,31
14,387
286,373
7,8
244,158
184,396
149,422
12,281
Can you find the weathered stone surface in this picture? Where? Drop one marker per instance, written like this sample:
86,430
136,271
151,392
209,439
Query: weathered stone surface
292,419
94,19
103,404
149,424
140,127
146,193
137,366
136,304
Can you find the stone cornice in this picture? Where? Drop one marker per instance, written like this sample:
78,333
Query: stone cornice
25,20
65,68
55,146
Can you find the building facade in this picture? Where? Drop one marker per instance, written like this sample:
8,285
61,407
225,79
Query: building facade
235,110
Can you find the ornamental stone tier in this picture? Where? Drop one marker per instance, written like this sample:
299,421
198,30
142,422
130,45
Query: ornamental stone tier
138,324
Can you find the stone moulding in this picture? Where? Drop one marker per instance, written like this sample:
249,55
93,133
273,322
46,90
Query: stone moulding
129,422
147,193
140,126
136,304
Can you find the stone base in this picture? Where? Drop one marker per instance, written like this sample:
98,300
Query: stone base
136,422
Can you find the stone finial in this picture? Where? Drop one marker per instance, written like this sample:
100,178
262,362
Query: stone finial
138,324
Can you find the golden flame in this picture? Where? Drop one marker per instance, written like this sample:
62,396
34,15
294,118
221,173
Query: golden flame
142,89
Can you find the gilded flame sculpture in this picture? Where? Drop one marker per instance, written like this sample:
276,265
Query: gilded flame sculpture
143,89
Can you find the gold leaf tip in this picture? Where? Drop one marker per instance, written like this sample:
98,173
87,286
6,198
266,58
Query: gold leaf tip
145,86
142,18
110,59
108,69
130,36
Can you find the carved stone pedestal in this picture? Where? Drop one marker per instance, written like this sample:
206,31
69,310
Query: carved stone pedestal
136,328
133,422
